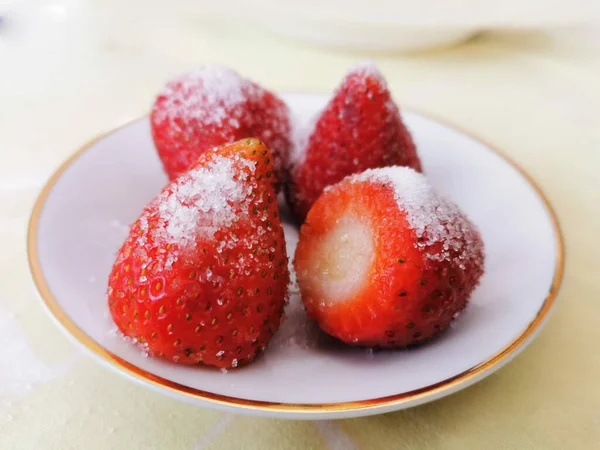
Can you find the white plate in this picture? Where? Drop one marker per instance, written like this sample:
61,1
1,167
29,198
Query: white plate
81,219
404,25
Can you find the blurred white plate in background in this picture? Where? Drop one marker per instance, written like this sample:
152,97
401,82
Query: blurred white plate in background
405,25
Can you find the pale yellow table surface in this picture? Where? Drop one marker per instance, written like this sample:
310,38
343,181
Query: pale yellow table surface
68,74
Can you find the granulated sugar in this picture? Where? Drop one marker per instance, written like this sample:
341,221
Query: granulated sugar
202,201
433,218
367,69
218,89
196,205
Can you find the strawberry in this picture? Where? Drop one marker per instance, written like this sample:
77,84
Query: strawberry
212,106
203,275
385,261
360,128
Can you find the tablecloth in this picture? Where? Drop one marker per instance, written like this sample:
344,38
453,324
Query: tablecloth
70,70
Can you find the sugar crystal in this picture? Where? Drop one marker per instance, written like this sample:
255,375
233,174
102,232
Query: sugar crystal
434,219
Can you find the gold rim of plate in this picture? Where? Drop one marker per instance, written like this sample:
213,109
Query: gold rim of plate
397,400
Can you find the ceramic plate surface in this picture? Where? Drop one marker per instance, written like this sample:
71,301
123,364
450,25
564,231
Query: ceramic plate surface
81,219
404,25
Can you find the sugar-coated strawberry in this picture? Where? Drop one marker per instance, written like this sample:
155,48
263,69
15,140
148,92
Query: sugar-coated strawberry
384,261
203,275
212,106
359,129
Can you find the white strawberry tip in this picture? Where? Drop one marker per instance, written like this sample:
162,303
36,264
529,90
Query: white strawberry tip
341,262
